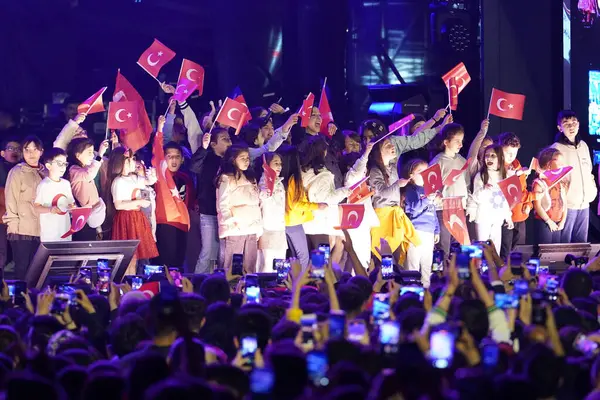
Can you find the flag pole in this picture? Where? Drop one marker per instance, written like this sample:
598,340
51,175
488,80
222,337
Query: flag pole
490,104
450,99
168,107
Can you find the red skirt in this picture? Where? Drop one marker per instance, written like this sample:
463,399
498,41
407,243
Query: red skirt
131,225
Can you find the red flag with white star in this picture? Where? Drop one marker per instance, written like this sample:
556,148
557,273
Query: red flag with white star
192,72
138,136
270,176
507,105
453,94
155,57
79,217
432,179
460,74
233,114
92,105
454,219
556,175
455,174
360,191
306,109
184,89
512,190
351,216
325,110
122,115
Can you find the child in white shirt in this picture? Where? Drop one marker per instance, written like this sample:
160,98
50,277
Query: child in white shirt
54,199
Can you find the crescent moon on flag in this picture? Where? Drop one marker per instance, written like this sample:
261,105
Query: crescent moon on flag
455,220
556,171
230,112
188,74
55,201
455,177
352,214
508,189
177,90
79,223
118,116
462,82
456,87
429,176
150,62
163,169
499,104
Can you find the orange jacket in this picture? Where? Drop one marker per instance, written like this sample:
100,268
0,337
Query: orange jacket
521,210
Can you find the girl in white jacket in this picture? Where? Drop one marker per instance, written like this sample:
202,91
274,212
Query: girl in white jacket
238,208
487,206
320,187
273,243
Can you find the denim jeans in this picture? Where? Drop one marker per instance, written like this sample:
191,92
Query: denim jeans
209,232
297,243
576,226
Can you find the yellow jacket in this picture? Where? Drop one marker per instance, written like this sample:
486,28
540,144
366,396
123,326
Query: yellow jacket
297,212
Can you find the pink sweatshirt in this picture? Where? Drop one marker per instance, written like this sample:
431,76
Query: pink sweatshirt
83,185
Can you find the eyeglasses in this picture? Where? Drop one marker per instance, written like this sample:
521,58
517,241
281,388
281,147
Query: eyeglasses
60,163
15,149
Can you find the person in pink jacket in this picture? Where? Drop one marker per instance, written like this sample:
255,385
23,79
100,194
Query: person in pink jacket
238,208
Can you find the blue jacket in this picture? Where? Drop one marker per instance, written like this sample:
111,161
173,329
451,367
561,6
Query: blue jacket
420,210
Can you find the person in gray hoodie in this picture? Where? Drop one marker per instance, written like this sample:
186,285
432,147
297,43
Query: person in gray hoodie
582,187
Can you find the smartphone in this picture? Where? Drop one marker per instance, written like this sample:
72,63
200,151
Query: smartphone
538,308
282,267
484,266
454,248
387,268
357,329
249,347
551,288
381,308
420,290
521,287
441,344
316,365
585,346
438,261
103,284
389,337
337,324
318,265
506,301
324,248
262,381
237,264
59,305
177,277
252,289
533,265
490,353
150,270
472,250
543,269
135,281
516,261
16,289
462,265
102,263
308,324
86,274
69,290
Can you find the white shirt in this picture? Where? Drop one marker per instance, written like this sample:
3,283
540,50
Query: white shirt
126,188
49,194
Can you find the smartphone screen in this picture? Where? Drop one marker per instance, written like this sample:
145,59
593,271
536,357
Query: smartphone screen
104,281
136,282
282,267
324,248
262,381
16,290
381,308
506,301
551,288
585,346
337,325
438,261
389,337
356,330
472,250
252,289
387,267
177,277
521,287
419,290
237,264
316,364
543,269
308,324
516,261
102,263
489,354
462,266
249,347
86,274
318,265
150,270
441,348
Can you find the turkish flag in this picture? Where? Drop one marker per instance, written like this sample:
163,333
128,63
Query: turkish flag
454,219
122,115
507,105
233,114
461,76
325,110
397,125
61,202
556,175
192,72
512,190
270,176
92,105
432,178
170,209
79,217
150,289
137,137
534,165
360,191
306,109
155,57
351,216
184,89
239,97
453,94
455,173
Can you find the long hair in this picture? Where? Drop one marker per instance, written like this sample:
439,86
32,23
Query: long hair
376,161
229,168
485,176
291,170
258,163
312,154
116,164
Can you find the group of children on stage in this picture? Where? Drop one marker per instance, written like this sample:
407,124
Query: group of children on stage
220,178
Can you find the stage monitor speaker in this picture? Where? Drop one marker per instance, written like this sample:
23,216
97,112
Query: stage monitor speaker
553,255
57,261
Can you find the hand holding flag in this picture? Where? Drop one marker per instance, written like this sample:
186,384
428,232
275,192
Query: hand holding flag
192,72
270,176
93,104
432,179
79,217
512,190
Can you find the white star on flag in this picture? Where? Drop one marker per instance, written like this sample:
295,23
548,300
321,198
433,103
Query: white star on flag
174,192
129,115
511,106
160,53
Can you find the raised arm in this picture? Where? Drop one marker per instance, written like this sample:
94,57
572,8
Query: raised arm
359,170
476,145
68,131
276,140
